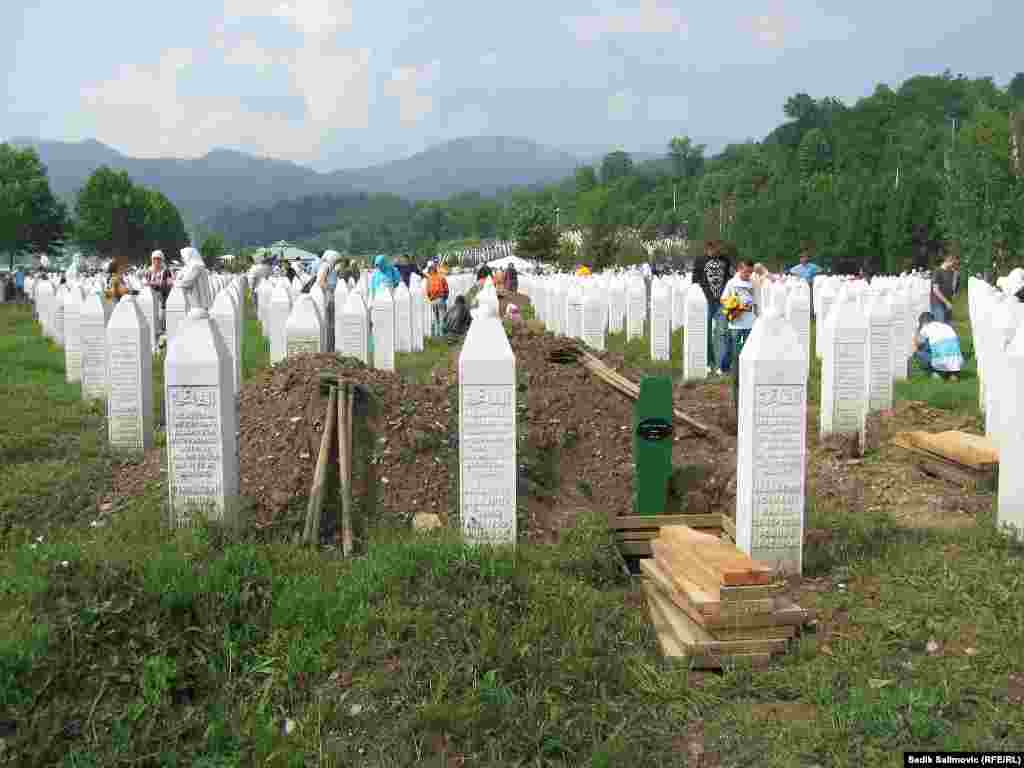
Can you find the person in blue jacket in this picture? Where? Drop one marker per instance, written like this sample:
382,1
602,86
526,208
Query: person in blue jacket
384,275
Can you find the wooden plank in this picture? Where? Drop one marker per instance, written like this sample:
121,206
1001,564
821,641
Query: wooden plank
311,530
733,567
630,522
733,594
906,444
786,613
970,450
673,649
693,635
678,565
670,646
746,633
705,603
345,466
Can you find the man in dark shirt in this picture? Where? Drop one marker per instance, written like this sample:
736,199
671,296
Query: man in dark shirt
407,267
711,272
943,289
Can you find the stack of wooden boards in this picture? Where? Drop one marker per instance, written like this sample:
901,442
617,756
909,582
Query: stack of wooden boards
714,604
634,533
963,459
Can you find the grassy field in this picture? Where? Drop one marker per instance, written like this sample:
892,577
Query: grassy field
127,644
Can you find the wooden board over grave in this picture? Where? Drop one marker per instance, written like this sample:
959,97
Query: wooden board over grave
972,451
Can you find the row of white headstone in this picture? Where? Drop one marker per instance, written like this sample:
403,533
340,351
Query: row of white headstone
864,339
997,327
109,349
349,321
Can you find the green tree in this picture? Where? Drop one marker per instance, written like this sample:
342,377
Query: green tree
31,217
111,215
616,165
586,179
536,237
1016,88
212,249
687,158
165,229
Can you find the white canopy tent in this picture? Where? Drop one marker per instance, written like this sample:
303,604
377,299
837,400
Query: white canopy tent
520,263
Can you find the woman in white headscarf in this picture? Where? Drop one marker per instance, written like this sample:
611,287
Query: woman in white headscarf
195,280
326,277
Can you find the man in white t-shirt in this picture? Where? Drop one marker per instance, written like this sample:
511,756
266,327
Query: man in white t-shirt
740,309
938,348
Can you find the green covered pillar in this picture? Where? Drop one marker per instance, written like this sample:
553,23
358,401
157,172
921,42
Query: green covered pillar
652,445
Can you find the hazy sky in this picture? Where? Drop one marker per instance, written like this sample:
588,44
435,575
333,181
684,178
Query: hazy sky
347,83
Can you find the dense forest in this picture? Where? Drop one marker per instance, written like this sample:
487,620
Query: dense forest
885,184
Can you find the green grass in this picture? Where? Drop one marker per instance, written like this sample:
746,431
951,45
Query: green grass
130,644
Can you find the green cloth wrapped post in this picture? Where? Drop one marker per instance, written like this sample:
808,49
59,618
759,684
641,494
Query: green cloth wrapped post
652,445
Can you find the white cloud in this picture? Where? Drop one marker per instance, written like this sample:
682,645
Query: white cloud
408,85
142,111
651,17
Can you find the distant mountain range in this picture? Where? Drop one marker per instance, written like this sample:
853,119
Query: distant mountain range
202,187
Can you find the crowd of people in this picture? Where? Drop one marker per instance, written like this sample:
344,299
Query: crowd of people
732,291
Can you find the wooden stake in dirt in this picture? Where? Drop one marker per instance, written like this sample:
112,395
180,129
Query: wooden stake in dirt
345,466
311,533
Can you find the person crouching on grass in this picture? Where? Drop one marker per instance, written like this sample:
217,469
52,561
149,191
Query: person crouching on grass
740,310
938,348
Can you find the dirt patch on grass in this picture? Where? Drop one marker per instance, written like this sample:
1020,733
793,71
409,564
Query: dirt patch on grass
886,478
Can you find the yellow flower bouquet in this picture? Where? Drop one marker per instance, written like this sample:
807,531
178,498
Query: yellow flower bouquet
733,307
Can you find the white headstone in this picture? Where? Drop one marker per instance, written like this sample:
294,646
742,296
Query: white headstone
322,305
403,318
695,344
174,311
280,309
595,307
303,330
798,314
661,321
1010,509
129,377
616,305
225,321
417,299
202,424
825,296
574,312
264,294
92,338
487,433
636,307
149,306
58,314
383,328
844,383
878,354
353,329
72,335
771,450
901,329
